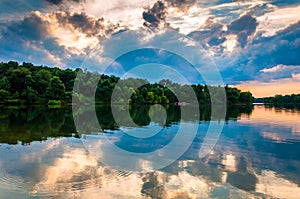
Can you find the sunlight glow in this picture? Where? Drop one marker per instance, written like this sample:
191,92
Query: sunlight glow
266,89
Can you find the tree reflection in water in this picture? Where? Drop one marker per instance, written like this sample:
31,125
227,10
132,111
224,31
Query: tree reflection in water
248,160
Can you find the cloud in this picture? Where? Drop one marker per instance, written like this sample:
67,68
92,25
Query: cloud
296,77
273,69
243,27
181,5
88,25
283,86
225,37
211,33
51,44
58,2
277,20
278,72
155,16
282,48
126,13
23,40
261,54
247,39
32,27
221,9
56,38
79,32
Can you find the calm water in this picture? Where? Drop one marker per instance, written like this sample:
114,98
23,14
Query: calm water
256,156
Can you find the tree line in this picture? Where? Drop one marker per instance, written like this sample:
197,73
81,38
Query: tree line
28,84
31,84
280,99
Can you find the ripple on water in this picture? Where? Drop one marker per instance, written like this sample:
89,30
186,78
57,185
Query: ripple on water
11,182
94,178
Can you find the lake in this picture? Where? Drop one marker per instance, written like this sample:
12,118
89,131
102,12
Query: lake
43,155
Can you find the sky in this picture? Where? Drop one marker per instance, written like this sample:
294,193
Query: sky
255,45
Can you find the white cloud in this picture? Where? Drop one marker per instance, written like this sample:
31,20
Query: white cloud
296,76
273,69
279,19
280,71
188,22
198,14
238,4
230,43
128,13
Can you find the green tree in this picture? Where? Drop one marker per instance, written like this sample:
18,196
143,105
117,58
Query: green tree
150,97
56,89
278,99
30,95
233,95
17,78
67,77
4,96
246,98
16,95
4,83
42,77
164,100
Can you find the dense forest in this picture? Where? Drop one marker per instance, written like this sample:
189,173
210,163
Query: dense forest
31,84
280,99
28,84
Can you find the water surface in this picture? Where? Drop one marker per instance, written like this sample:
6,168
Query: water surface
256,156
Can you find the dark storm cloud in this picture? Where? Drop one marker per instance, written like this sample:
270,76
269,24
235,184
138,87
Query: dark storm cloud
245,23
32,38
88,25
17,48
211,33
57,2
34,28
282,48
53,46
243,27
267,52
81,22
31,28
29,40
156,15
